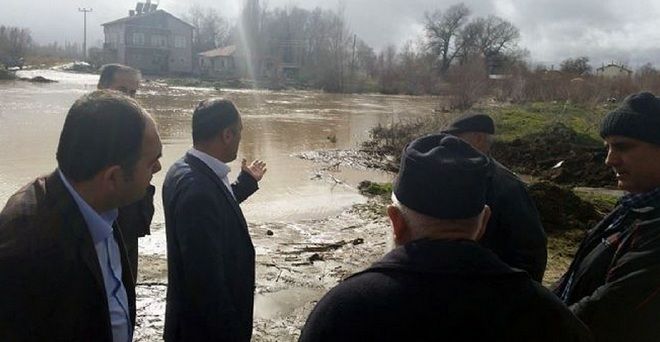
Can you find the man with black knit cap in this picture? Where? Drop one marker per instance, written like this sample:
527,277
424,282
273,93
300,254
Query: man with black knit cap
439,283
514,232
613,285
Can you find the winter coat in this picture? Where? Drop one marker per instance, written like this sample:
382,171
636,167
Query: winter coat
440,290
615,289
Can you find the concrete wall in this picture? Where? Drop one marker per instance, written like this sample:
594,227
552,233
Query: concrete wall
155,44
612,71
181,56
218,67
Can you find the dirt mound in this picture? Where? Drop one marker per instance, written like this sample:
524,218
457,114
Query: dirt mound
561,209
557,154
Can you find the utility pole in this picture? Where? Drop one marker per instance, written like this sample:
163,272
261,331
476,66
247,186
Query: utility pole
84,11
353,58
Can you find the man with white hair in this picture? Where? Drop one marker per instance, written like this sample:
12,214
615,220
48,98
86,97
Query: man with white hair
439,283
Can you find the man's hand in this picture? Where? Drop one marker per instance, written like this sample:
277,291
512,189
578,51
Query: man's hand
256,169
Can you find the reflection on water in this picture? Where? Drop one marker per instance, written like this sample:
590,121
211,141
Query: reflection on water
276,125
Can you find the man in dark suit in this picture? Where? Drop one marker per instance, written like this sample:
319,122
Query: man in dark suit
210,254
439,284
135,218
63,266
514,232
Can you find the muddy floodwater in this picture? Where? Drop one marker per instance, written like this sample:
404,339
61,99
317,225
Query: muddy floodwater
306,220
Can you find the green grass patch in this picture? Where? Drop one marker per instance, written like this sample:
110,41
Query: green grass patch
518,120
375,189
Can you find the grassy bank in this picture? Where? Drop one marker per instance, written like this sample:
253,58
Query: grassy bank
516,121
532,137
512,121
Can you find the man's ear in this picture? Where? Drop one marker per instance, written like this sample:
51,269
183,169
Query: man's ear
399,226
112,177
483,222
227,135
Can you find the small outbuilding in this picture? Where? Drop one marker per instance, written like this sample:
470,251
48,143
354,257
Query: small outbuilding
219,63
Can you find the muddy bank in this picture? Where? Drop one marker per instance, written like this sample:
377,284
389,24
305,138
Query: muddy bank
356,159
557,154
297,262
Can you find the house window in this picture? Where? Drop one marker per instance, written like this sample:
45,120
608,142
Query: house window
138,38
180,42
158,40
112,39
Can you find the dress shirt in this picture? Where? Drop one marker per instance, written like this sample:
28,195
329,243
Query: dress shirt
108,254
219,168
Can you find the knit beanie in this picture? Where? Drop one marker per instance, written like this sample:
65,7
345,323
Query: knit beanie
638,117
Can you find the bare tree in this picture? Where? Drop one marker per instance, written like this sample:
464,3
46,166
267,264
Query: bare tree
491,37
14,44
469,83
442,31
387,65
211,30
648,78
576,66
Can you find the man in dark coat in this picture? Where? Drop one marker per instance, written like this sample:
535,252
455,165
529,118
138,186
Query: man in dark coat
210,254
135,218
64,272
439,283
514,232
613,284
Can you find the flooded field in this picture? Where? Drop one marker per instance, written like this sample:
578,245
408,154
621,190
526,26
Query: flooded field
306,230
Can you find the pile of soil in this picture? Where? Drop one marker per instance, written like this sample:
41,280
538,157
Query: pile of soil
561,209
558,154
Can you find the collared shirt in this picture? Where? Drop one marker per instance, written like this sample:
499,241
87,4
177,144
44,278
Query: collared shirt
219,168
108,254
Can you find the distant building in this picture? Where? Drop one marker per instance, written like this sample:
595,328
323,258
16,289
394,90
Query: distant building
282,61
613,71
219,63
151,40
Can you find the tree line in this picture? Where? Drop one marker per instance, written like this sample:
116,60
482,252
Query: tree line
14,44
457,54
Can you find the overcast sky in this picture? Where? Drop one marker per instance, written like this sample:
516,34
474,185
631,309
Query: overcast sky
552,30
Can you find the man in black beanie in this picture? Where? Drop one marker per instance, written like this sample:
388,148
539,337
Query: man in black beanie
514,232
613,285
439,283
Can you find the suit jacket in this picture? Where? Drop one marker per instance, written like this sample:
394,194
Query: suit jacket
210,255
50,279
441,290
514,232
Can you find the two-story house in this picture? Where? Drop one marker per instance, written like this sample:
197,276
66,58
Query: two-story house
151,40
